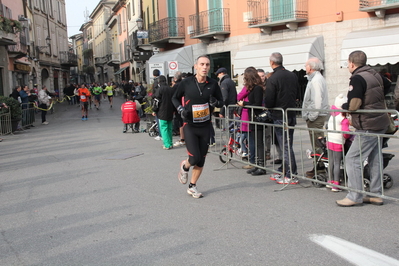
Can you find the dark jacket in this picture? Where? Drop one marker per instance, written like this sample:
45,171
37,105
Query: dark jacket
14,94
282,91
127,88
370,87
197,94
69,90
155,86
24,96
229,92
166,107
255,98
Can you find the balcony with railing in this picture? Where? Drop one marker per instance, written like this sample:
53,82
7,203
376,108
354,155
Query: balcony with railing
68,59
21,48
210,24
378,6
167,30
266,14
100,61
113,59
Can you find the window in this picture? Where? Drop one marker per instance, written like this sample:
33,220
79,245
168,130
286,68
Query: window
51,11
119,24
153,12
43,6
59,11
122,54
123,22
129,13
39,35
134,8
36,4
281,9
126,50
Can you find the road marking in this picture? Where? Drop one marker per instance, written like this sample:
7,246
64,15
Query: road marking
353,253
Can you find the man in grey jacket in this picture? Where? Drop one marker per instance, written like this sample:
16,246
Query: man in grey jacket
366,92
316,98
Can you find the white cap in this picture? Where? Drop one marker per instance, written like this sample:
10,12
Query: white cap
130,81
340,100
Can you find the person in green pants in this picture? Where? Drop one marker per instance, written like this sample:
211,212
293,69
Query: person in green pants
165,113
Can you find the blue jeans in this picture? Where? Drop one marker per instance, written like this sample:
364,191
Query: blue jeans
251,146
243,137
289,162
368,146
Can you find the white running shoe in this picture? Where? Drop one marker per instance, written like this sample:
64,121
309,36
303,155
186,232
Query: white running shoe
178,143
183,175
194,192
158,138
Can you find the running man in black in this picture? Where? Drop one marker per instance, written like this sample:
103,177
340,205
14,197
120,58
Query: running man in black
200,94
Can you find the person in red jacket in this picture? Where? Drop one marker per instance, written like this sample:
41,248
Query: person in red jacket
130,114
84,96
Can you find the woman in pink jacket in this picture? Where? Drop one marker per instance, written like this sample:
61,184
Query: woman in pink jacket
243,96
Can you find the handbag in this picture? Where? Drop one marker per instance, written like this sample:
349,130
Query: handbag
391,128
155,105
264,117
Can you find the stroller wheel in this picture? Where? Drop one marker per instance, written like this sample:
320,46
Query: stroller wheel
388,181
319,177
366,185
151,133
223,155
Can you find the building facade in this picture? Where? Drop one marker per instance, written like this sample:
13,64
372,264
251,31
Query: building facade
239,34
14,39
49,51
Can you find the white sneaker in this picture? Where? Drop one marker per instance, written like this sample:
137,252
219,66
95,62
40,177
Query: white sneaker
183,175
194,192
178,143
45,123
158,138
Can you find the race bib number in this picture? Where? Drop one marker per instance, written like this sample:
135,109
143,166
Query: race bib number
82,97
201,113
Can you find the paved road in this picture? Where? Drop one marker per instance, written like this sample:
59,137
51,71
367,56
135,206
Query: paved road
69,196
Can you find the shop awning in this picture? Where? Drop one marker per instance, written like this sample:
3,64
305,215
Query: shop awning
295,53
381,45
120,71
184,57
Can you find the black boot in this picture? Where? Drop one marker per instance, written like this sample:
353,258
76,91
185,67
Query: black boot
250,171
259,171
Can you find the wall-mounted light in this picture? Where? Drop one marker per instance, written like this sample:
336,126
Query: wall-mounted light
48,40
139,23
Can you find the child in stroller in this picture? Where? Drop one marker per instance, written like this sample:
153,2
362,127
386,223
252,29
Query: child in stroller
323,157
338,144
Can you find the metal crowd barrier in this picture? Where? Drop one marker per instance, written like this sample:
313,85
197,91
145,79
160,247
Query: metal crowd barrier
28,114
229,150
5,123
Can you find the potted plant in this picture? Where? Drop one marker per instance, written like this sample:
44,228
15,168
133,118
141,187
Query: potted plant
15,109
18,26
7,27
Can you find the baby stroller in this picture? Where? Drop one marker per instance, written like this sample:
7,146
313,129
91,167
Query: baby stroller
323,158
152,129
234,144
